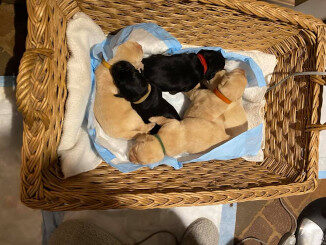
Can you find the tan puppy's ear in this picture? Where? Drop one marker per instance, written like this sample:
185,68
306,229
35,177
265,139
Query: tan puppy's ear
139,46
190,93
219,75
133,155
161,120
212,84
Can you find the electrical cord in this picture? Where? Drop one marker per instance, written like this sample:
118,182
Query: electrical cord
293,229
305,73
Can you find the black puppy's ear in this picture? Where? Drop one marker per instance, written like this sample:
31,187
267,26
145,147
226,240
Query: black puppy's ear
201,51
118,95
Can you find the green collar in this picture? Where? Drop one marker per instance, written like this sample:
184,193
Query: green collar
161,142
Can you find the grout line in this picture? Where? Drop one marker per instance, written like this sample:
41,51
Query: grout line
254,218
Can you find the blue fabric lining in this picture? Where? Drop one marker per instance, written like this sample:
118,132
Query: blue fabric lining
112,41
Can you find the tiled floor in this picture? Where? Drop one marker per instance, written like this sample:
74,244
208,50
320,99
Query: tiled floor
18,224
268,220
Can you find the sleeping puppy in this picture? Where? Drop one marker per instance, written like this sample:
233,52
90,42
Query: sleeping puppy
115,115
182,72
203,125
191,135
146,99
225,89
212,106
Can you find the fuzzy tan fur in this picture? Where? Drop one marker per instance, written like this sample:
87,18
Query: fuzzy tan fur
190,135
115,115
203,125
205,104
234,117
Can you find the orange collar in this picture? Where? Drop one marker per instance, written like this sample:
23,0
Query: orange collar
202,61
221,96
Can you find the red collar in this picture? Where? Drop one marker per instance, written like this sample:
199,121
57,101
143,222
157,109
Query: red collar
202,61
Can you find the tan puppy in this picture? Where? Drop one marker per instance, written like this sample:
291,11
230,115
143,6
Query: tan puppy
234,118
205,104
129,51
115,115
191,135
203,123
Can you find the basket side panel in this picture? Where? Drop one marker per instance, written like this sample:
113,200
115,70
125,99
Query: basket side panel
41,94
192,22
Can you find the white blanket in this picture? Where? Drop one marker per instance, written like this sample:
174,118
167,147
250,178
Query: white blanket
75,149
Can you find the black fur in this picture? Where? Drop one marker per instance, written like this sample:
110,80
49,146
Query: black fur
132,86
181,72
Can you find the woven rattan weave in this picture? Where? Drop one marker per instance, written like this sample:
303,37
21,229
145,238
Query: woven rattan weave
292,112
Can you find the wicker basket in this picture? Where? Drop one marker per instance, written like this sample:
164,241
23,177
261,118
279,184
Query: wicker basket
292,111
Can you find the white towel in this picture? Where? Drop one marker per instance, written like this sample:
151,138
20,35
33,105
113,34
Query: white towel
75,149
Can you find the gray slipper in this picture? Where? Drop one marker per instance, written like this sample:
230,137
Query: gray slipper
201,232
77,232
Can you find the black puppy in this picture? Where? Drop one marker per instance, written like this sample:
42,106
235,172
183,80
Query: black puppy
146,99
182,72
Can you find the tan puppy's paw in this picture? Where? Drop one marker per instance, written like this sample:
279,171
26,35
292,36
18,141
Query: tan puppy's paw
146,128
158,120
162,120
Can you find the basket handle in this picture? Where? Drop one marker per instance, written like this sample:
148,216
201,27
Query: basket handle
32,83
317,127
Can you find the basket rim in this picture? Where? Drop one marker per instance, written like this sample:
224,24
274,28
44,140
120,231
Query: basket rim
35,46
163,200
